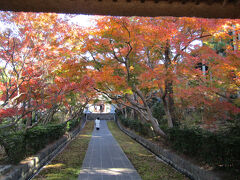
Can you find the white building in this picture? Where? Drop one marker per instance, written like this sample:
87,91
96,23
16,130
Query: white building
100,107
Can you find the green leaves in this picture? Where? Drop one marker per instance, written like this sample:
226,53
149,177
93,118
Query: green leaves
21,144
218,149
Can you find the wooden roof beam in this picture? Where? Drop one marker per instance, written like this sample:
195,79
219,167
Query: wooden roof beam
189,8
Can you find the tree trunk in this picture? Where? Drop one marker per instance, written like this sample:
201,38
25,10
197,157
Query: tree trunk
29,119
132,114
155,124
50,115
125,113
168,100
145,112
167,112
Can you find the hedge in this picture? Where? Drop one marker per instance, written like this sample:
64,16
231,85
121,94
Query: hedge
21,144
136,125
38,137
14,146
216,149
221,149
72,124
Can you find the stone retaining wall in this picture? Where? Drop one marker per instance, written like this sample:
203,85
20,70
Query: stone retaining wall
102,116
192,171
28,167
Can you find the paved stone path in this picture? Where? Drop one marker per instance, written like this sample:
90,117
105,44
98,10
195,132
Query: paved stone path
105,159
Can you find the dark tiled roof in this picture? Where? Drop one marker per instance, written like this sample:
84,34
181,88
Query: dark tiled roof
198,8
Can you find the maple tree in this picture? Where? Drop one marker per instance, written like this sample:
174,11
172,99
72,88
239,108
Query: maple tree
35,83
137,59
215,90
49,65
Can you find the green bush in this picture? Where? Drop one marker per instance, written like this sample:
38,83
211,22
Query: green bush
159,113
72,124
158,110
22,144
217,149
39,136
144,129
133,124
14,145
136,125
190,136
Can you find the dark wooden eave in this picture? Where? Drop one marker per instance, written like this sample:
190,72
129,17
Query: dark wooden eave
190,8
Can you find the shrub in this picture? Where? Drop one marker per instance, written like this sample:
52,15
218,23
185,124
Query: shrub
184,140
217,149
133,124
39,136
158,110
72,124
136,125
14,146
125,122
144,129
21,144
